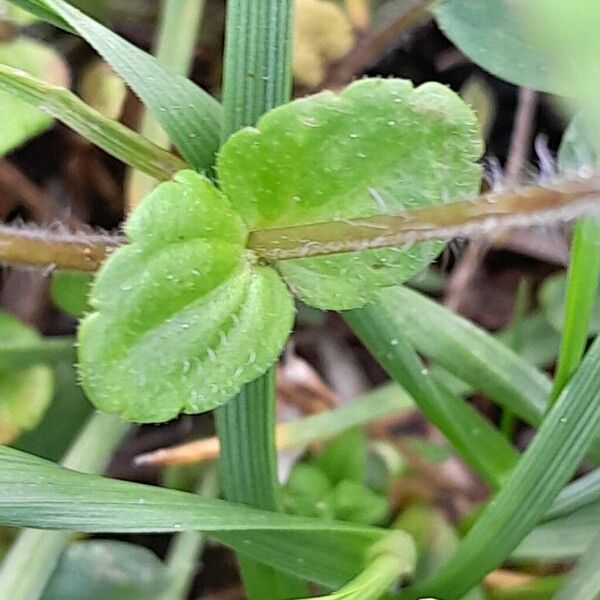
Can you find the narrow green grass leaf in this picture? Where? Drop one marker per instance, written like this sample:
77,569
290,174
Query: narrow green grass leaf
256,78
581,492
37,493
578,153
113,137
547,464
257,74
584,581
469,353
179,26
583,282
476,440
190,116
29,563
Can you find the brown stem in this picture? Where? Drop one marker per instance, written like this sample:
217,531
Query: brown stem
65,250
524,206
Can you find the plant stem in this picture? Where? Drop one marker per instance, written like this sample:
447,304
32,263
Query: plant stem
62,249
257,77
30,561
522,206
176,41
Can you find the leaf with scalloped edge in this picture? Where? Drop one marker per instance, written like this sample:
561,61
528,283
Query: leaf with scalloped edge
380,146
25,393
184,316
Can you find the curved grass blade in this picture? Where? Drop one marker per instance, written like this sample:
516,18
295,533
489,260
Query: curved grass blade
469,353
548,463
30,561
40,494
190,116
113,137
480,444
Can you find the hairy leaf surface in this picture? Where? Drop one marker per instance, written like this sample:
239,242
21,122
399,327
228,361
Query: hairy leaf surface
378,147
184,315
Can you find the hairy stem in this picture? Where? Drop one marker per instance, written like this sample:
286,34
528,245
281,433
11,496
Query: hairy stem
62,249
524,206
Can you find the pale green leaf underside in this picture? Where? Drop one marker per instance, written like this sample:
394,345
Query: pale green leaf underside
378,147
22,121
107,569
37,493
24,393
184,316
495,35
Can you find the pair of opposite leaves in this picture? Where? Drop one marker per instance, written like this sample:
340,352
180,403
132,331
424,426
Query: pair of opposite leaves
186,314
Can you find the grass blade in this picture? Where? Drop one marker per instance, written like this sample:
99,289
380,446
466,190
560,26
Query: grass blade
38,493
190,116
178,30
30,561
113,137
476,440
582,290
546,466
469,353
561,540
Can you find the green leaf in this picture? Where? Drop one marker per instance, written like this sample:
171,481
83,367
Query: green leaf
70,291
109,570
25,393
37,493
495,35
184,315
188,114
356,503
26,121
110,135
378,147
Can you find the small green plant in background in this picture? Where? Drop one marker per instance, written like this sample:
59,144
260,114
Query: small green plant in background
334,200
